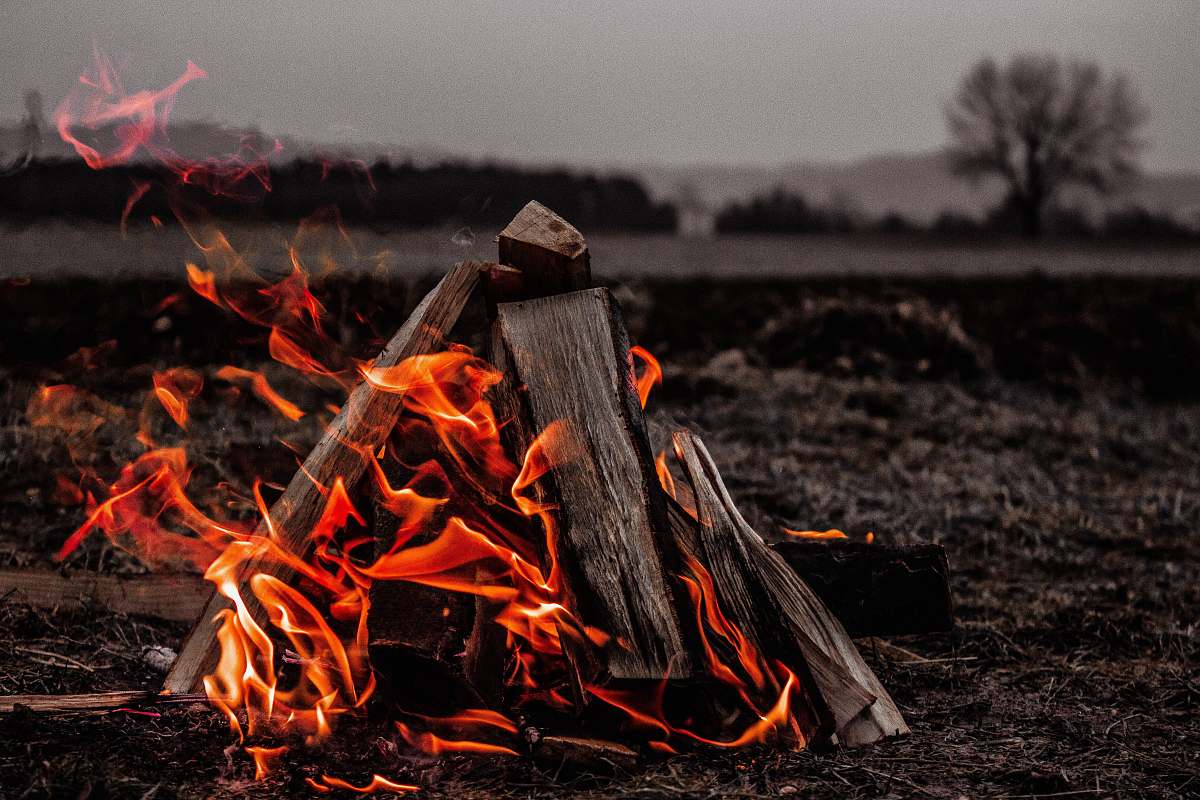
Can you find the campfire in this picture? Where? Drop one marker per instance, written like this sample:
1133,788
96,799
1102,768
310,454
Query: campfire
483,544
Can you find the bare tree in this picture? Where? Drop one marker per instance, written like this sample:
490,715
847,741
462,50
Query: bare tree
1041,125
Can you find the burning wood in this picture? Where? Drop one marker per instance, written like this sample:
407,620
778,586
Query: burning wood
341,456
512,507
569,353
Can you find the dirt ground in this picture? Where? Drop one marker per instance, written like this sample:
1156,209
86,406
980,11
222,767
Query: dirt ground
1047,432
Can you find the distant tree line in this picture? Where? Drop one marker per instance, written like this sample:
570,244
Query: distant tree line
780,211
384,195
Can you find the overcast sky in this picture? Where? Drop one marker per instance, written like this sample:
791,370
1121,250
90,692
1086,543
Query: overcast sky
610,81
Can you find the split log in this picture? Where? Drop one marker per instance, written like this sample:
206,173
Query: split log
762,595
551,255
541,254
876,589
177,598
364,422
569,354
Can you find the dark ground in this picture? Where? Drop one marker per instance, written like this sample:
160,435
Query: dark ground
1046,432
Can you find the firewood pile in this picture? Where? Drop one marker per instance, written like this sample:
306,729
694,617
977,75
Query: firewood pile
593,601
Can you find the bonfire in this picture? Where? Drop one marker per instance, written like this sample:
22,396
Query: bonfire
483,544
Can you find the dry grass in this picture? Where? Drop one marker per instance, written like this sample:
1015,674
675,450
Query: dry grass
1067,494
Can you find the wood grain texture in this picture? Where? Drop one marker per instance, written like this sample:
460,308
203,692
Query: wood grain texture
364,422
780,613
860,582
94,703
570,356
173,597
876,589
550,253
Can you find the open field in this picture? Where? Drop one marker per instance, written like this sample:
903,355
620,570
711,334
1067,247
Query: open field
62,249
1046,431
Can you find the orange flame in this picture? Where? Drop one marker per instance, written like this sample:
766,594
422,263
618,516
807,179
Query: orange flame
265,758
262,390
832,533
434,745
651,375
327,783
175,388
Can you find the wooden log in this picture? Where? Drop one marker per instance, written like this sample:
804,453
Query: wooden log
536,262
542,254
772,606
858,582
174,597
876,589
569,355
550,253
363,423
96,702
575,754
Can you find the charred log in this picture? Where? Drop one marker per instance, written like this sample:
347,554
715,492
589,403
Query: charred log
875,589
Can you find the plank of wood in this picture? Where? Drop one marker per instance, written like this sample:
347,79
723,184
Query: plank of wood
175,597
773,605
570,355
363,423
573,754
73,703
858,582
876,589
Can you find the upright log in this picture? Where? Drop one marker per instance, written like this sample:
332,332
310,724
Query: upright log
363,423
569,354
765,598
540,254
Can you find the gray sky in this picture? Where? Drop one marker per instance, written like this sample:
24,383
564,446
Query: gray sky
610,81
